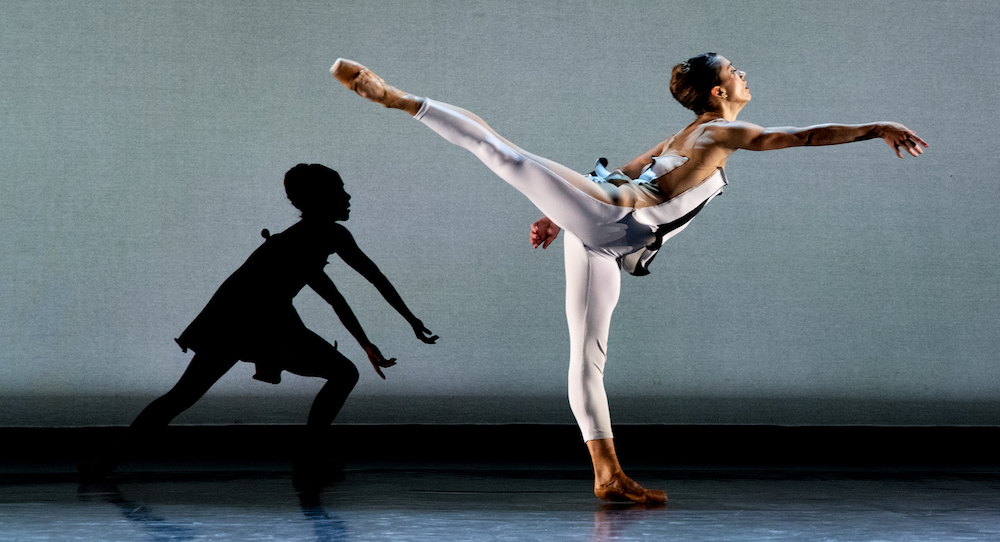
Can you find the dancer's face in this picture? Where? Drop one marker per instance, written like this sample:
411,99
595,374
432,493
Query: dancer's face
734,82
340,204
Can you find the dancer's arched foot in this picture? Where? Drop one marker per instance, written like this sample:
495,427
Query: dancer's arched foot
368,85
621,488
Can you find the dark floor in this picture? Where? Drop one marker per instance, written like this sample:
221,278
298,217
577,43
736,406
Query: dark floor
257,501
737,484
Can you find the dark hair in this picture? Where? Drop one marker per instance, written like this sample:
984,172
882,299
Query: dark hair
309,184
691,82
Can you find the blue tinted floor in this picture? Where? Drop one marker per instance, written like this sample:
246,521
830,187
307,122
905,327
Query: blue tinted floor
495,503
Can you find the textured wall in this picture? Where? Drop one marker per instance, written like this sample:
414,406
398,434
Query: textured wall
143,146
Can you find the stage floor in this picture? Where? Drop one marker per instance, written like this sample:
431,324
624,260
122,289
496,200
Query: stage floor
488,501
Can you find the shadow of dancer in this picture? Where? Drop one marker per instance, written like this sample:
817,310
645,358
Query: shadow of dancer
251,318
327,528
157,528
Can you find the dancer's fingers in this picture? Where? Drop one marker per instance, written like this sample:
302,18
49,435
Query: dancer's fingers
425,335
548,241
901,138
539,233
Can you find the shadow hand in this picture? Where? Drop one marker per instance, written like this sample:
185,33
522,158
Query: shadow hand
424,334
378,361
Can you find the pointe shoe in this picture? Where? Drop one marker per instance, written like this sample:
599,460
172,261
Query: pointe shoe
621,488
372,87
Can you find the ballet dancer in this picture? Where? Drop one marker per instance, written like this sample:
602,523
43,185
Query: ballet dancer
617,220
251,318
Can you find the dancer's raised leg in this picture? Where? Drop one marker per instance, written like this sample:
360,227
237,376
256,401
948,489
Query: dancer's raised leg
571,200
368,85
590,210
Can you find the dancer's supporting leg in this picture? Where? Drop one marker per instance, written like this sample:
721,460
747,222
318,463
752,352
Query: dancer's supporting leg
593,283
578,206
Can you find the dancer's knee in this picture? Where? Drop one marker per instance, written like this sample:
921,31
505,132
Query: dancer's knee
588,365
341,371
351,375
497,155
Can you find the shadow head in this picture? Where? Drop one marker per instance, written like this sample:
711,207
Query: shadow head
317,191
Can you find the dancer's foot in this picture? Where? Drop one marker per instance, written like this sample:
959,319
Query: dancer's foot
368,85
621,488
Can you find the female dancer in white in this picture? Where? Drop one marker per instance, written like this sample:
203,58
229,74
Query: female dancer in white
618,220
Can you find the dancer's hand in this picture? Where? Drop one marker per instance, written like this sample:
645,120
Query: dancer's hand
423,333
378,362
543,232
898,136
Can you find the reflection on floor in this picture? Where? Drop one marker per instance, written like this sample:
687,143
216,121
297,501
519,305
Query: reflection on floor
250,502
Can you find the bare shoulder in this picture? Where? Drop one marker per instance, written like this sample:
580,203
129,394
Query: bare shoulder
733,135
736,128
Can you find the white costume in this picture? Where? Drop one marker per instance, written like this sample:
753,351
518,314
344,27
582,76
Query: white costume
601,238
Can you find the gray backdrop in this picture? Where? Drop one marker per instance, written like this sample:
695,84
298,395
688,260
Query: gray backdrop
144,144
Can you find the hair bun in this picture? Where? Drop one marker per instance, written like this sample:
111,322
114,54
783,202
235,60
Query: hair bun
691,81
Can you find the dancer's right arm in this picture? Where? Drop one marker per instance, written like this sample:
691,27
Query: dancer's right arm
634,168
543,232
323,286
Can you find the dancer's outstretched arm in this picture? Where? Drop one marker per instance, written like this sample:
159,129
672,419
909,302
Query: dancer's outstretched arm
326,289
744,135
353,256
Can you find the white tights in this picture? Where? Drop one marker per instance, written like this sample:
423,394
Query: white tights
597,232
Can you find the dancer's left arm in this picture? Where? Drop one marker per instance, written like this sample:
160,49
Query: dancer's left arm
353,256
744,135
